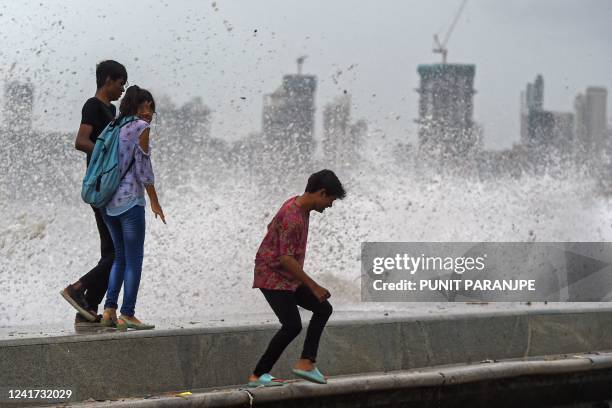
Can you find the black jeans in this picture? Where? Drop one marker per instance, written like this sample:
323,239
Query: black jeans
285,303
96,280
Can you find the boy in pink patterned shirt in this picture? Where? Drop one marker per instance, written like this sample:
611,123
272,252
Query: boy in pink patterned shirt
287,235
280,276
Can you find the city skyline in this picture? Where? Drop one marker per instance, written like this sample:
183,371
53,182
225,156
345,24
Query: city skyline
445,119
215,52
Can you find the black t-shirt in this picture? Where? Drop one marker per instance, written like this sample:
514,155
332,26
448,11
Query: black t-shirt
98,115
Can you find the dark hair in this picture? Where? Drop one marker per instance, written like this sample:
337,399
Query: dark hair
134,96
109,69
327,180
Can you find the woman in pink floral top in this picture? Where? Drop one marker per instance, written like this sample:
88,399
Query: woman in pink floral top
280,276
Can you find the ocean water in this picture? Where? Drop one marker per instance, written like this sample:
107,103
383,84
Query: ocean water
201,262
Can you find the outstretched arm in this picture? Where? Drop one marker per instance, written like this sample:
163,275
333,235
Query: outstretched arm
148,182
155,207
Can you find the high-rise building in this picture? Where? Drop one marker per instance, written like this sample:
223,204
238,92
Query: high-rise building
535,94
563,130
591,125
532,100
336,122
541,129
597,119
289,116
18,107
446,105
580,131
341,138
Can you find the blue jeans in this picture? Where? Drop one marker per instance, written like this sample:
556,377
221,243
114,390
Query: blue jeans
128,233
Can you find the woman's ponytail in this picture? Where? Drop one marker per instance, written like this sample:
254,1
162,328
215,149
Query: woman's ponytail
129,103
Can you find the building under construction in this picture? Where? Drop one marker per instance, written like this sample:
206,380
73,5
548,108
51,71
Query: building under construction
446,106
288,116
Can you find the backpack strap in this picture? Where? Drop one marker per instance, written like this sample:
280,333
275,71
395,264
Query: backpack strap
116,122
130,166
122,121
113,124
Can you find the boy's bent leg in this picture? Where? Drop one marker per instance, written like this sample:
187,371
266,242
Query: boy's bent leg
321,311
283,303
96,281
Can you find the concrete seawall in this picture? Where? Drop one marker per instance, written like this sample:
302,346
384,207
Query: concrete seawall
581,380
106,366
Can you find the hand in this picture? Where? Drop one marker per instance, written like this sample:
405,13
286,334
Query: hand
320,293
157,210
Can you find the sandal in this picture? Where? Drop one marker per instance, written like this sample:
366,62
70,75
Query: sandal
313,375
266,380
109,318
127,324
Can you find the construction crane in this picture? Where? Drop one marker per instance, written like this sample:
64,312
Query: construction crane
441,46
300,63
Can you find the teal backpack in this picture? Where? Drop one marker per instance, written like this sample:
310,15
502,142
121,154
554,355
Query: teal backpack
102,177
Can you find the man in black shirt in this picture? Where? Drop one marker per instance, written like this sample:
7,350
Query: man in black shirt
86,294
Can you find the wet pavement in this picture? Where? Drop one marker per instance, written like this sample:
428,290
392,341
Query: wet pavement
366,311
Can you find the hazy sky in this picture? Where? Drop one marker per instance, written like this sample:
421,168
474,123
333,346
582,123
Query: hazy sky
210,49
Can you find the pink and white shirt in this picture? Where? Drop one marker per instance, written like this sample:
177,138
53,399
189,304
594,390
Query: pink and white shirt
287,235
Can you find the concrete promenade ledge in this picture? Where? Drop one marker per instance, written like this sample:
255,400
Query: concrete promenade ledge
116,365
550,381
